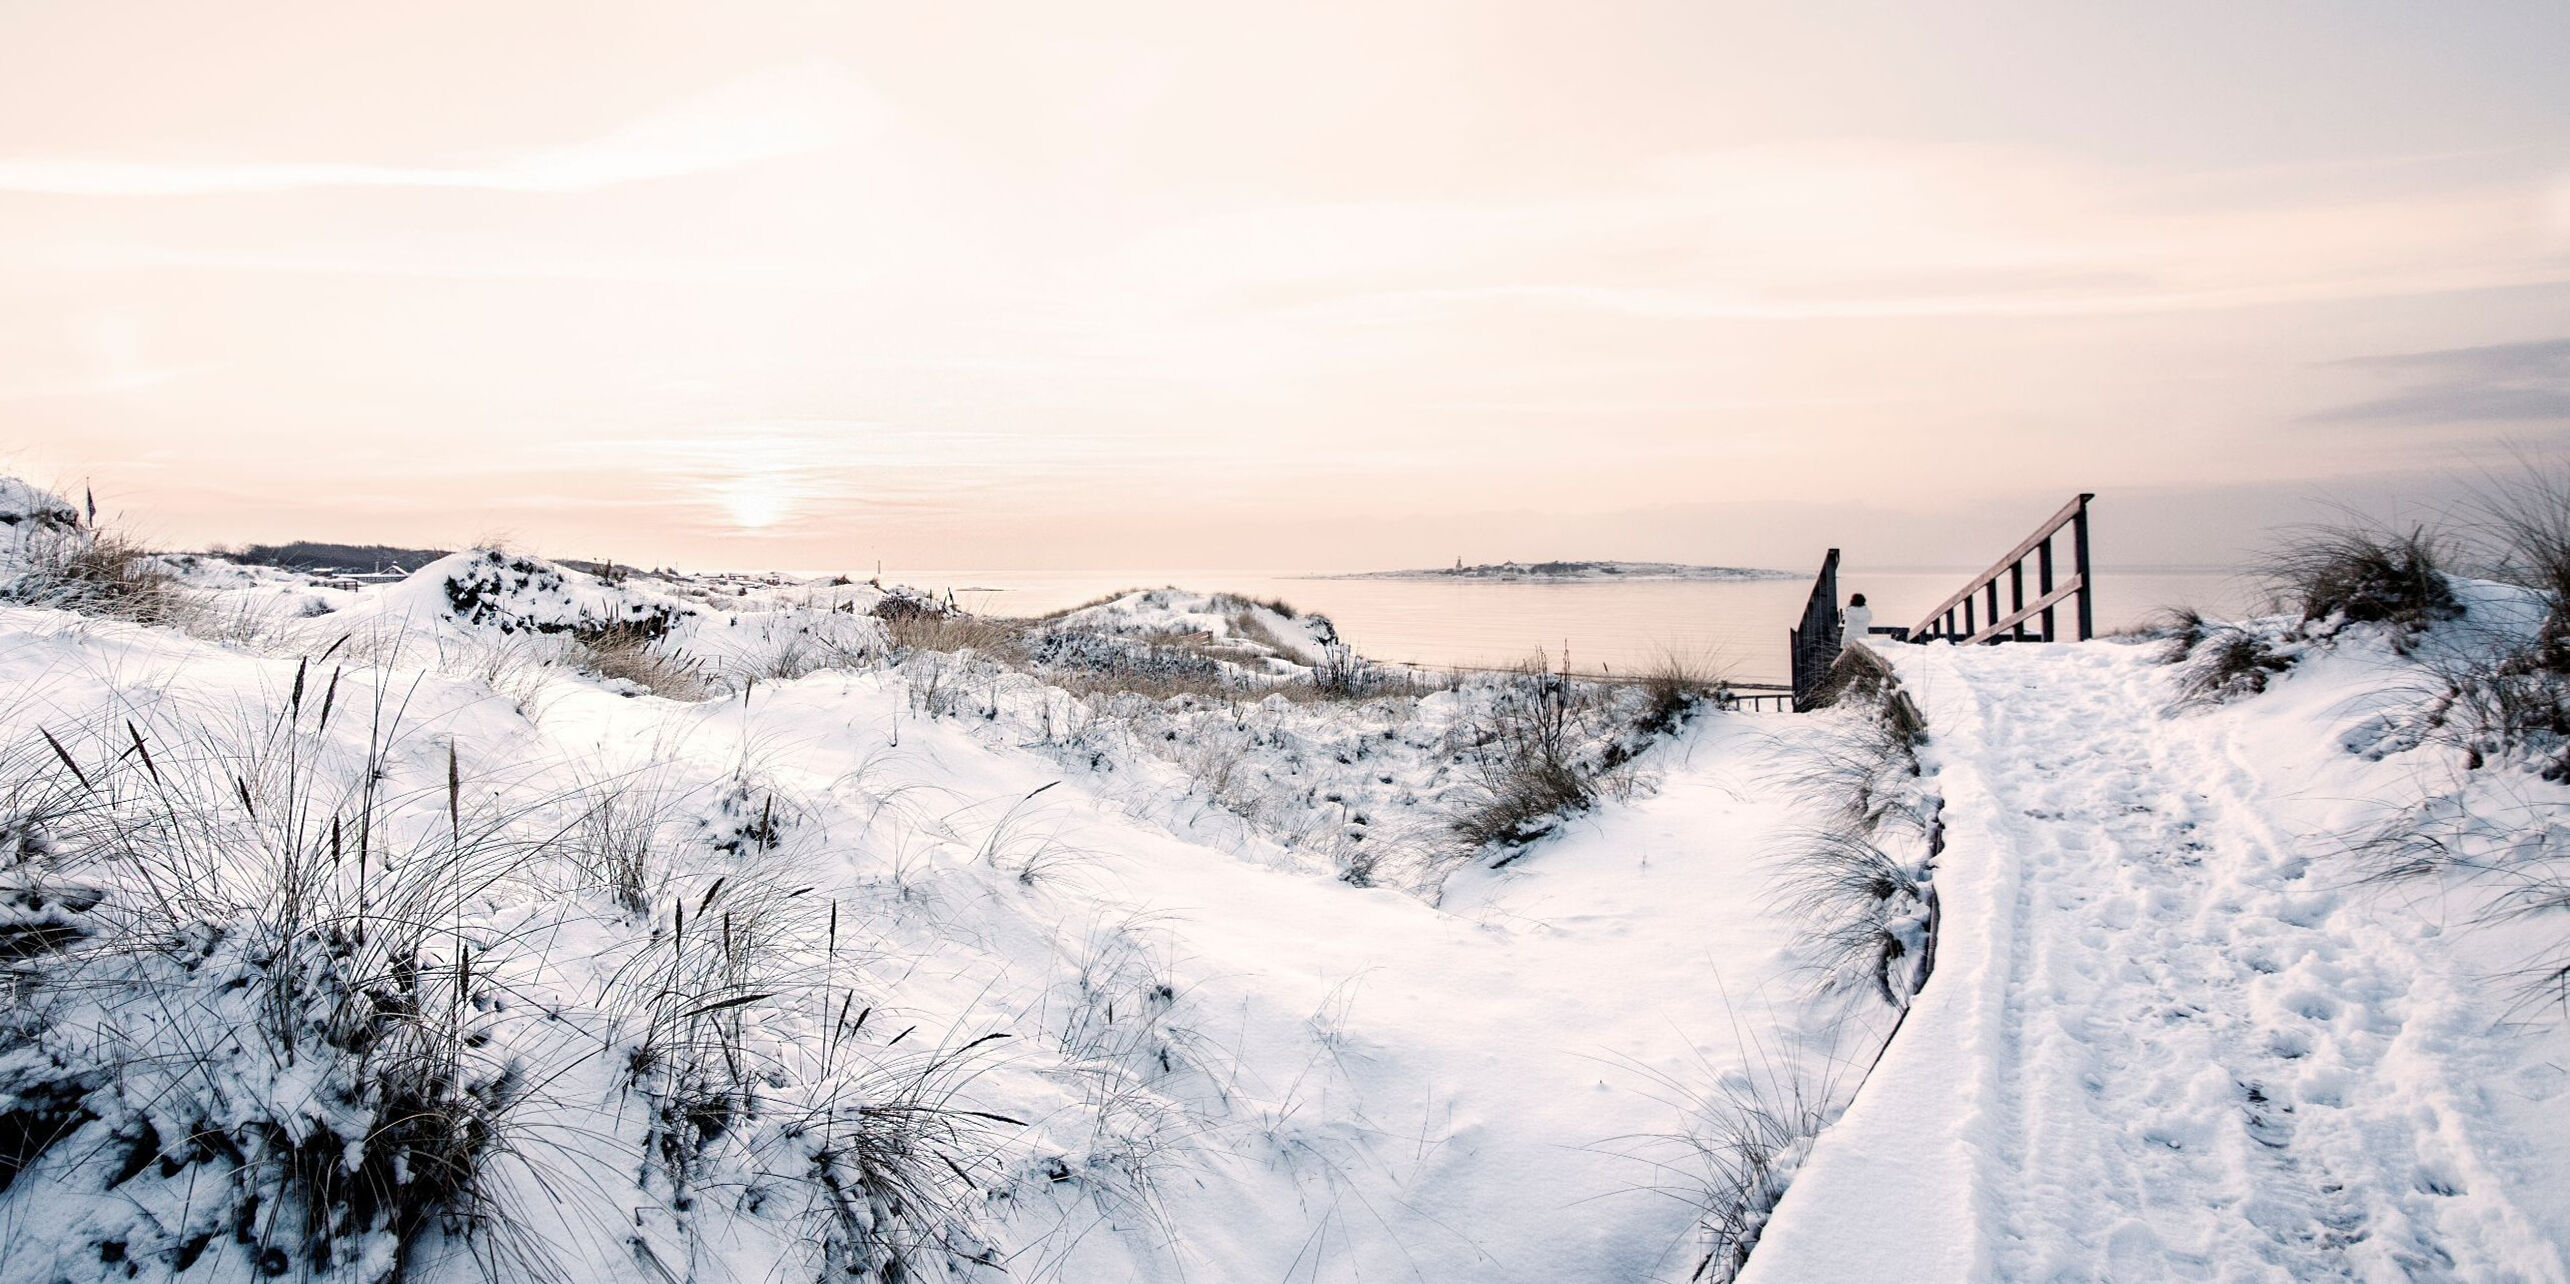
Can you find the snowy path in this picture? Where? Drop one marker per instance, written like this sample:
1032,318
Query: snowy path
2200,1057
2168,1004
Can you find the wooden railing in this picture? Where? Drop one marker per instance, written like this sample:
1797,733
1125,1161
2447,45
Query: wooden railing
1815,643
1757,699
1973,615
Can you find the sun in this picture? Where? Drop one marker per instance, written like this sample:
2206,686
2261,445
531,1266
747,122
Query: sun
755,502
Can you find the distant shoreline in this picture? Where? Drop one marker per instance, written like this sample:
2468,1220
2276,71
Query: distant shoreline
1568,573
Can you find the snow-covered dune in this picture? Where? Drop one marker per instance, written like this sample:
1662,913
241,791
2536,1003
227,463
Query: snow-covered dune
516,920
1222,619
377,933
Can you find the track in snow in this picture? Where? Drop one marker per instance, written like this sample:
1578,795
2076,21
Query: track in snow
2209,1070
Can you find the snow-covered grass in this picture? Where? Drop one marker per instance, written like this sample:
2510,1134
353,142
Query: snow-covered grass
304,986
1676,688
2217,661
1855,881
93,571
416,928
261,984
1745,1131
425,931
1526,759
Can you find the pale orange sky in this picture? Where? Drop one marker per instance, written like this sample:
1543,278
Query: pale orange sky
1110,285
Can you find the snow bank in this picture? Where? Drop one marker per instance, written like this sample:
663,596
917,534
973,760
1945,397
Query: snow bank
1254,627
29,514
26,508
513,593
1121,925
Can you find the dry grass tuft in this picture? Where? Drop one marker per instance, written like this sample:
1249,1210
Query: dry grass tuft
1860,676
1149,686
1747,1131
1363,680
2177,629
1751,1138
2216,662
1100,600
1870,914
1276,604
2365,574
103,573
2509,843
1158,667
1676,686
948,632
1525,759
2524,522
2498,686
248,883
632,653
1247,625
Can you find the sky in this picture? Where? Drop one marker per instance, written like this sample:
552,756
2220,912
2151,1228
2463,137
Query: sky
1317,286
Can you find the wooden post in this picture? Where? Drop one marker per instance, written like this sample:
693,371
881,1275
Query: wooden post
1995,615
2079,566
1794,654
2017,598
2043,581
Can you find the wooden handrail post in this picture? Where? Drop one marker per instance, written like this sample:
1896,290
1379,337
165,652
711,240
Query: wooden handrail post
2017,598
2043,581
2079,566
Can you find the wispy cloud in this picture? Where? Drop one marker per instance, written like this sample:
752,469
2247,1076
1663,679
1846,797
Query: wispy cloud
2502,382
2540,359
782,112
1856,229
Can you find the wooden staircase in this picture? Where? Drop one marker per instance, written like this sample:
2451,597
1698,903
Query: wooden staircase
1973,615
2011,626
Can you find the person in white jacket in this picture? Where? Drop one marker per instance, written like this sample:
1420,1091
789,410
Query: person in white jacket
1855,620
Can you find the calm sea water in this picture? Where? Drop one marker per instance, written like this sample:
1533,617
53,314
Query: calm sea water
1618,627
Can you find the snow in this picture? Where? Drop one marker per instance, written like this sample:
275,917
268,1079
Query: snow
1228,1062
29,514
2169,1032
1257,627
2170,1037
23,504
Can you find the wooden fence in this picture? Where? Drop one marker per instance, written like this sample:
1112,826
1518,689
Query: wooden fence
1974,615
1816,641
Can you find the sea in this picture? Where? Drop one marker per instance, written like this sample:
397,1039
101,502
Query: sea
1734,627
